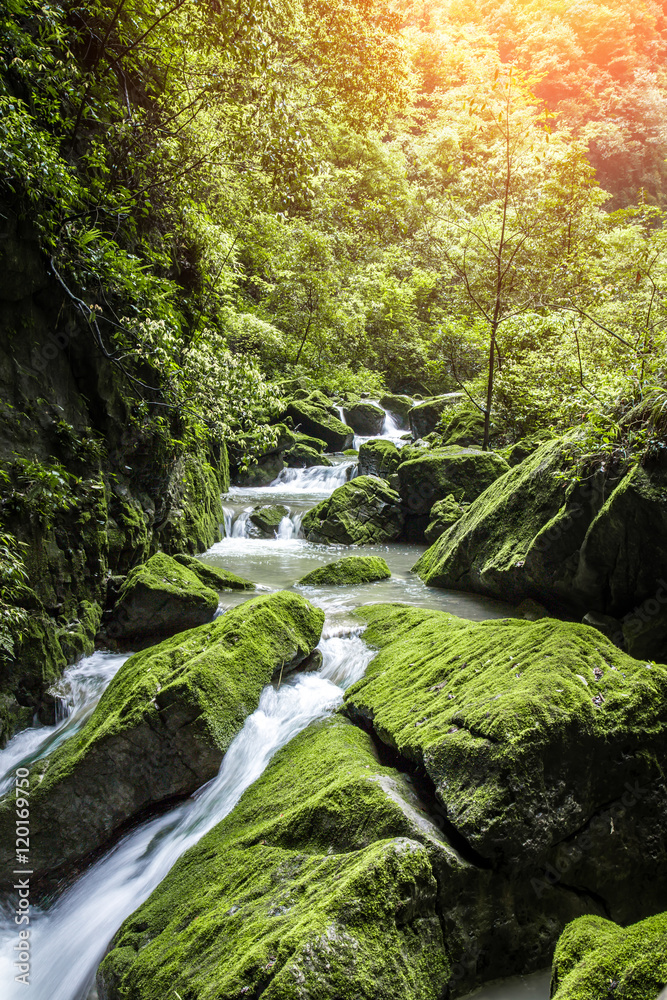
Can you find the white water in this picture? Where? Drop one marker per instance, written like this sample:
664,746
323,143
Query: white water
390,430
68,941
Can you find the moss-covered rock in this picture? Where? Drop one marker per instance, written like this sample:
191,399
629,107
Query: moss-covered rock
361,512
158,599
313,887
347,571
77,637
194,503
161,727
320,423
364,417
463,427
379,458
425,416
518,452
211,576
267,517
443,515
525,729
399,407
304,456
463,472
596,958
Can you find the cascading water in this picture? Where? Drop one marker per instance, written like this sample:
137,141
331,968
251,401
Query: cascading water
390,430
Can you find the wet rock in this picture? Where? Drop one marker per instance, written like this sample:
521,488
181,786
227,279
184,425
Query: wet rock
347,571
378,458
424,416
444,513
532,611
399,407
362,512
266,518
212,576
303,456
365,418
160,729
464,473
317,421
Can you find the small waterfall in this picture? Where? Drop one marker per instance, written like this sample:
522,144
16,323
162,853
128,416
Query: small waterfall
317,479
289,527
229,514
69,941
241,525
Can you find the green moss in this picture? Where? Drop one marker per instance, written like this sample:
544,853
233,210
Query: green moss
159,595
267,518
443,515
347,571
361,512
193,524
302,456
298,893
398,406
217,579
424,416
596,958
465,473
128,535
463,426
511,719
378,458
77,638
317,421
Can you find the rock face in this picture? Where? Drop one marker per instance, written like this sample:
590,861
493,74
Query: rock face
399,407
434,475
361,512
365,418
211,576
599,545
160,729
424,416
158,599
465,427
443,515
348,571
522,731
305,456
378,458
267,518
596,958
318,422
316,886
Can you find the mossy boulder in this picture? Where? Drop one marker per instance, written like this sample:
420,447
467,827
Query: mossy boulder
211,576
158,599
442,516
362,512
364,417
77,637
518,452
464,427
160,729
399,407
318,422
347,571
425,416
304,456
266,518
596,958
524,730
379,458
464,473
314,887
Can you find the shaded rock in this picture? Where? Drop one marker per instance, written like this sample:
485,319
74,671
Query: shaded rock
364,418
158,599
262,472
77,638
596,958
517,453
399,407
378,458
424,416
304,456
433,476
320,423
267,518
160,729
532,611
611,627
361,512
464,427
313,887
347,571
444,513
212,576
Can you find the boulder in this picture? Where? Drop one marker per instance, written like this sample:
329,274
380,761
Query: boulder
365,418
306,452
316,886
399,407
424,416
158,599
347,571
211,576
444,513
596,958
464,473
267,517
378,458
160,730
268,465
320,423
363,511
518,452
464,427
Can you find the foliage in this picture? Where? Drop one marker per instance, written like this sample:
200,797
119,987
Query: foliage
13,578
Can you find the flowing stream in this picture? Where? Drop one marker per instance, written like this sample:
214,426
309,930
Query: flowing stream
69,939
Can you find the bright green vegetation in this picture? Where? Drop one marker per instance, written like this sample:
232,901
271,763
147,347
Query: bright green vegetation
347,572
212,576
443,514
163,724
464,427
464,473
312,417
309,888
596,958
494,711
361,512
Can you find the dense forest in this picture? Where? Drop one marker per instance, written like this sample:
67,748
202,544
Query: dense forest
239,240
